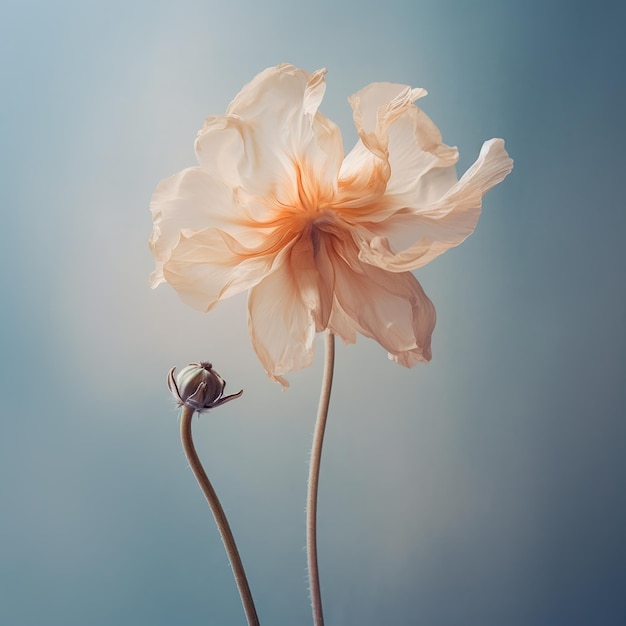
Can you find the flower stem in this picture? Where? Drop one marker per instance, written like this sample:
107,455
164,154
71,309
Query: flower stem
314,474
219,515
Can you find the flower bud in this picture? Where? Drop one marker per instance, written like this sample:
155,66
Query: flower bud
199,386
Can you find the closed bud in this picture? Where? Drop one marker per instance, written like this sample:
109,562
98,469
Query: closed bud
199,387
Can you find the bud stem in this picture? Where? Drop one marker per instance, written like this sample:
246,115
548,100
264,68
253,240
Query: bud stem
219,515
314,474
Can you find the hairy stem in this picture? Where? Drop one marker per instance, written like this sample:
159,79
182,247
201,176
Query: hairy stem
314,475
219,515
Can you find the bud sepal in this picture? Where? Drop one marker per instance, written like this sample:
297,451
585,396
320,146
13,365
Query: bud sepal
199,387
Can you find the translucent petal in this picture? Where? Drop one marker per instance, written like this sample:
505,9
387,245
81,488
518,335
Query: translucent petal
390,308
376,107
281,326
314,276
411,238
388,121
193,199
399,160
422,166
362,184
341,324
270,126
210,265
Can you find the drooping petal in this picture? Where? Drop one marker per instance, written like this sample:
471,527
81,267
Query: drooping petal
390,308
341,325
270,125
281,326
313,270
414,237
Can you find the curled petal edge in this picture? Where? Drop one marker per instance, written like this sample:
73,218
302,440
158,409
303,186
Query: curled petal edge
457,213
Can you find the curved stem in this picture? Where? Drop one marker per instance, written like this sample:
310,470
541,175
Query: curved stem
219,515
314,474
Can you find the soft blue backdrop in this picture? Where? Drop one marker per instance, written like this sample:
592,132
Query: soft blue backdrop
484,489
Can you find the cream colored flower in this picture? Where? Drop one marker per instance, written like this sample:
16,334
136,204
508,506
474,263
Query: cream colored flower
322,241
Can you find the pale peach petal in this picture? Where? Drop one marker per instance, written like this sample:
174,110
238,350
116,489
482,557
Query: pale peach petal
368,160
390,308
272,124
207,266
422,166
281,326
192,199
399,154
376,107
385,113
362,183
414,237
341,325
314,276
220,148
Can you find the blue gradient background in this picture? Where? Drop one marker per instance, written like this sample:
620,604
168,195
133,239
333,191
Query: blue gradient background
484,489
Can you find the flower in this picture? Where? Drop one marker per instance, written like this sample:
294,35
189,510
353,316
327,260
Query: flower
319,240
199,386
